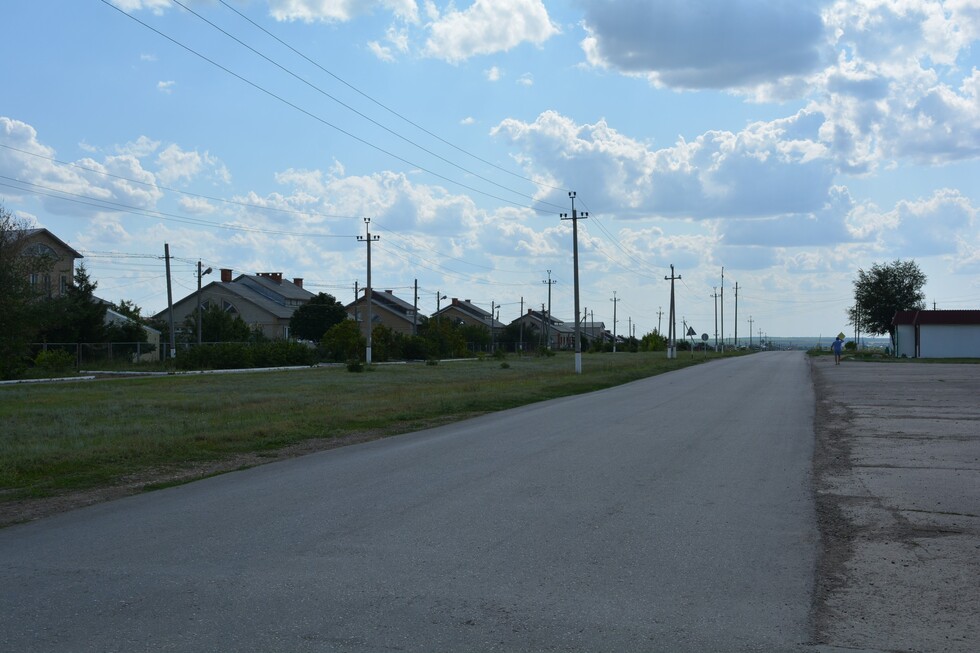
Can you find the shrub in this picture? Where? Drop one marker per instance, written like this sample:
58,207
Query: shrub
355,365
54,360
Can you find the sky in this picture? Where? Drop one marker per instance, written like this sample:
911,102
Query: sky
769,148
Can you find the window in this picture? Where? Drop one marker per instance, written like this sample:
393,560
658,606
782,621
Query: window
63,285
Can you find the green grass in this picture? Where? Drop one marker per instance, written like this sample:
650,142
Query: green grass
73,436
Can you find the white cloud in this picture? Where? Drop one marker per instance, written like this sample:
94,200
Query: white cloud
382,52
339,10
166,86
177,164
709,44
527,79
141,147
493,74
768,169
131,6
468,120
488,26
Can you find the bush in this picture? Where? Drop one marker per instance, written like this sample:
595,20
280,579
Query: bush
54,360
355,365
242,355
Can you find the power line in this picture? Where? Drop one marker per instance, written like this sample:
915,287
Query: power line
388,109
347,106
318,118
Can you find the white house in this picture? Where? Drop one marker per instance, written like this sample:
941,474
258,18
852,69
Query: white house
937,334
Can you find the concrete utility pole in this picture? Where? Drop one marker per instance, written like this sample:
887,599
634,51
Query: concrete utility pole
723,309
736,315
575,217
170,302
520,326
493,344
415,312
615,302
368,238
357,295
199,317
715,295
660,314
750,332
548,323
672,317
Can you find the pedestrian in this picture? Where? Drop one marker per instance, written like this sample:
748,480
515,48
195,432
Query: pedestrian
837,347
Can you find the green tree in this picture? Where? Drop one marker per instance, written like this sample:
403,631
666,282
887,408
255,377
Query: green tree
883,290
653,341
218,325
75,317
343,342
18,306
313,319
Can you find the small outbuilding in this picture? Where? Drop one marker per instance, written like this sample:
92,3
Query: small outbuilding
937,334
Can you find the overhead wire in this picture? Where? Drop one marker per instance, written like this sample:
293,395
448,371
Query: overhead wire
315,117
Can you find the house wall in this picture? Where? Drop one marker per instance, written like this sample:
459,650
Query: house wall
53,282
949,341
380,315
255,317
453,313
905,340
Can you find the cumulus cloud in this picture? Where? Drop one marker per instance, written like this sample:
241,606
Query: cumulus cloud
768,169
131,6
177,164
708,44
166,87
488,26
339,10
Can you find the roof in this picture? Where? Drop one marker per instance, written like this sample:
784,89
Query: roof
272,288
467,307
387,300
42,231
953,317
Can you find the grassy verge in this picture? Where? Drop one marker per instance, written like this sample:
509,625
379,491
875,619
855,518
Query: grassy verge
63,437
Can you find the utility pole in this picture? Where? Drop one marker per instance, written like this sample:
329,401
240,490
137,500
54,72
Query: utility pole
542,327
723,309
415,312
672,317
368,238
660,314
199,317
170,302
629,329
575,217
715,295
493,344
548,323
520,337
736,315
750,332
615,302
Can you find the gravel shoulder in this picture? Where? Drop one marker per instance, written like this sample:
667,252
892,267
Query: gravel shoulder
897,481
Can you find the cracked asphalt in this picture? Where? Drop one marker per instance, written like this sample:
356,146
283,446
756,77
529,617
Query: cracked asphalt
897,481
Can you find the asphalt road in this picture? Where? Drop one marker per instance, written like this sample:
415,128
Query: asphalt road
671,514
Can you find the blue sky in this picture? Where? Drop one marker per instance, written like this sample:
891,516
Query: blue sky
789,143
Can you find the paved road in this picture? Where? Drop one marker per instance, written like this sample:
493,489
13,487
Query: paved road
671,514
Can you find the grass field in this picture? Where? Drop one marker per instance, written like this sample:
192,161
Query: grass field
64,437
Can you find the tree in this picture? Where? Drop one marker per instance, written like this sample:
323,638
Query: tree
18,306
218,325
313,319
75,317
883,290
343,342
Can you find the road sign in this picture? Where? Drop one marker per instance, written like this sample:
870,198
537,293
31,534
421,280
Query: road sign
691,331
704,336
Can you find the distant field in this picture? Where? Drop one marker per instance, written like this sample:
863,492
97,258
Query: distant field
65,437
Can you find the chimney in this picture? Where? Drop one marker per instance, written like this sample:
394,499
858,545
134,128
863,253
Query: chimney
225,275
455,301
389,292
298,282
274,276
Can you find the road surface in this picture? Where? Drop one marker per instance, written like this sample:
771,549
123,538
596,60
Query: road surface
670,514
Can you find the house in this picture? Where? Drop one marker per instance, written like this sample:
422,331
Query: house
386,309
264,301
57,271
558,334
463,311
937,334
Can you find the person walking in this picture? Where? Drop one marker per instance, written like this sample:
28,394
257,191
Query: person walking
837,347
